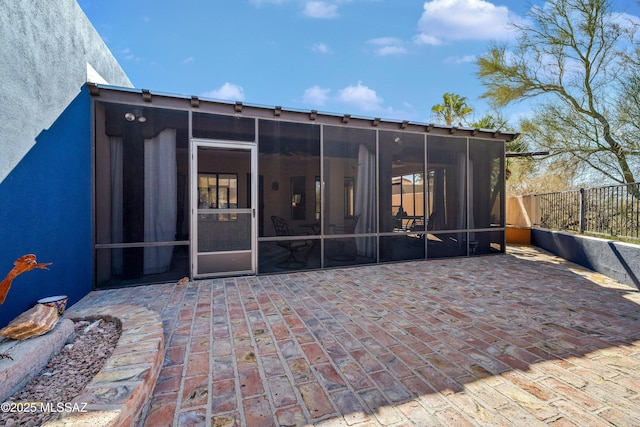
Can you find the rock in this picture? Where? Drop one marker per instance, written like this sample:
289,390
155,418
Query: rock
93,325
36,321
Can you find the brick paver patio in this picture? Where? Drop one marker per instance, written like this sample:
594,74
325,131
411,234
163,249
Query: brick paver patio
523,339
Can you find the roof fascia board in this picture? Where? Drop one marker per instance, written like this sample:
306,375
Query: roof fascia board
141,97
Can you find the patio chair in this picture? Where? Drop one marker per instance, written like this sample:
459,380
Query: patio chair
417,224
282,229
340,254
347,229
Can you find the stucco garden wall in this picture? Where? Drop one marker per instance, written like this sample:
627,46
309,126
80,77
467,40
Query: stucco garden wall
618,260
615,259
48,51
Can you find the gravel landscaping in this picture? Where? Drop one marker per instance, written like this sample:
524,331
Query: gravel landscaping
65,376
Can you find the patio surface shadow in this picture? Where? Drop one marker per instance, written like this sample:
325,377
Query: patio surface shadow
520,339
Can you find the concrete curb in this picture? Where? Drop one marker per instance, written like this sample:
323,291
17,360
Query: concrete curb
118,393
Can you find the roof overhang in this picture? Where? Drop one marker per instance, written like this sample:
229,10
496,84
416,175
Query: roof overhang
183,102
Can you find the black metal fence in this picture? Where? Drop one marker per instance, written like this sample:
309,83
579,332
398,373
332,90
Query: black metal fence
612,211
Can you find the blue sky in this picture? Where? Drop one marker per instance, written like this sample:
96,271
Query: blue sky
392,59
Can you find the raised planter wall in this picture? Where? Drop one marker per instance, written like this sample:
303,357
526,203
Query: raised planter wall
618,260
518,235
519,219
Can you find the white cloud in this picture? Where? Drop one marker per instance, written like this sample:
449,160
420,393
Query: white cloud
383,41
188,60
321,48
447,20
427,39
316,96
388,46
227,91
626,20
128,55
398,114
360,96
460,59
631,24
391,50
359,99
320,9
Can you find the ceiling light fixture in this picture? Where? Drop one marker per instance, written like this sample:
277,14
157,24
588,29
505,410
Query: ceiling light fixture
135,115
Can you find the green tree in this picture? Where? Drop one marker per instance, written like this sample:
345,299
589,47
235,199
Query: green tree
489,122
453,110
519,145
579,60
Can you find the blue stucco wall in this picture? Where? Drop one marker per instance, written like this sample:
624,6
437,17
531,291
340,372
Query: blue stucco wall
45,209
618,260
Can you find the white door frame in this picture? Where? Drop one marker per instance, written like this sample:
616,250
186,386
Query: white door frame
250,147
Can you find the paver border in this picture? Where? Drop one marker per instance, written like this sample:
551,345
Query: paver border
117,394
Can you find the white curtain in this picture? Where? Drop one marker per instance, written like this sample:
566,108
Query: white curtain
462,195
466,181
160,195
438,213
115,144
472,222
365,202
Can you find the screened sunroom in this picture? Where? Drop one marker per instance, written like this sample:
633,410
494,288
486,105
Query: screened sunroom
197,188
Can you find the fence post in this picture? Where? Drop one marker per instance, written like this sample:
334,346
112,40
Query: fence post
582,211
